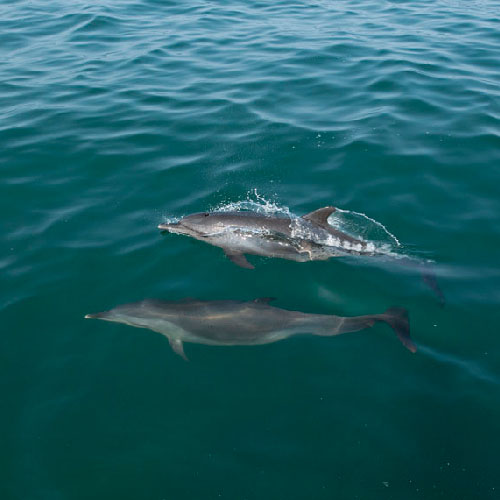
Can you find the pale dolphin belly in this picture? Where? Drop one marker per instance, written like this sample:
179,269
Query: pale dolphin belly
261,243
271,244
261,339
237,330
230,324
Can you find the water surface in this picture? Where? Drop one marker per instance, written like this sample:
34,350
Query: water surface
117,115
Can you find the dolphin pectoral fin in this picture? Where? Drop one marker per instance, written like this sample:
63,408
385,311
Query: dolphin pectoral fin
178,348
239,259
320,216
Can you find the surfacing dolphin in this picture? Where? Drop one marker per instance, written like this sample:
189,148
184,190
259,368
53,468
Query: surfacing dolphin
232,322
302,239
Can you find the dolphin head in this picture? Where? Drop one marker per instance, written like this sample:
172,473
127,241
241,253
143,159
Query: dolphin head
197,225
118,315
138,314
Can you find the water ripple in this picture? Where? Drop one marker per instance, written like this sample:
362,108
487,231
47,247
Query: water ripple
115,114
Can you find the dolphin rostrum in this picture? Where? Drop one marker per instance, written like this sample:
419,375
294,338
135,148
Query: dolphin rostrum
232,322
301,239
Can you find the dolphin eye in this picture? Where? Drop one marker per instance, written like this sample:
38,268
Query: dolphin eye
206,214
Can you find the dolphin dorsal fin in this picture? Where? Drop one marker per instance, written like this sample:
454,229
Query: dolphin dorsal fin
320,216
264,300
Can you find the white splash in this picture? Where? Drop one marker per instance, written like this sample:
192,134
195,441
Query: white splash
169,220
254,202
334,221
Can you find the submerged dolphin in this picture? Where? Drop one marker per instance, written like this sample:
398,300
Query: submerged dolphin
231,322
302,239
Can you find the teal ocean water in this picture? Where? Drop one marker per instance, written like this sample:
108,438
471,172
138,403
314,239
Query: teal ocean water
118,115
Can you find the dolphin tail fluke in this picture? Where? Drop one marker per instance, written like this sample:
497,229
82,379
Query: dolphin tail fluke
428,275
397,319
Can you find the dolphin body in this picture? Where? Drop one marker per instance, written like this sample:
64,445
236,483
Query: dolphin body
301,239
231,322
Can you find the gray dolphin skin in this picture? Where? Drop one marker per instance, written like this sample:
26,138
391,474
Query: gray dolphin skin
301,239
232,322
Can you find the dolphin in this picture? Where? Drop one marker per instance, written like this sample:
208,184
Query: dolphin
301,239
233,322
